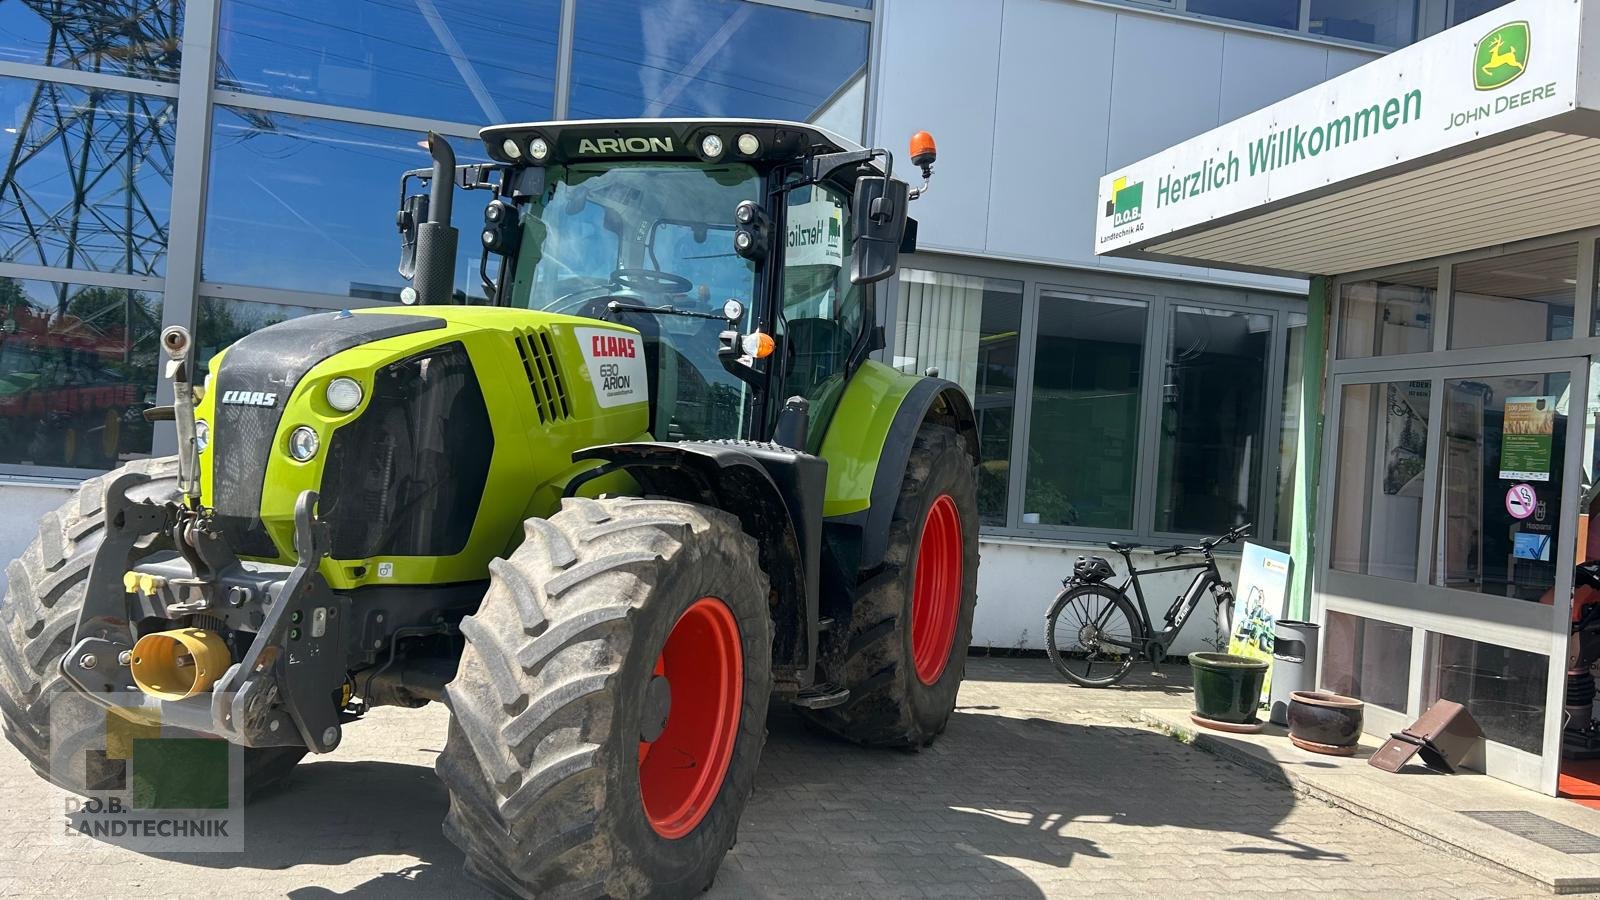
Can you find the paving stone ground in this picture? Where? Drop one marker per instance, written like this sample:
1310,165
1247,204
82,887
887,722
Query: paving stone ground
1038,789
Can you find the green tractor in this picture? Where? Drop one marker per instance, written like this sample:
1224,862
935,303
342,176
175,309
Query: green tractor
654,485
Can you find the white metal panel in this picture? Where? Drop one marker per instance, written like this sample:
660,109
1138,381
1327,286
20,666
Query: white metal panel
1589,58
1245,56
1341,61
1166,86
1048,140
937,72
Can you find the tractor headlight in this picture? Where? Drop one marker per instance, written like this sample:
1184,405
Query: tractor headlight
538,148
511,148
344,394
711,146
749,144
303,443
202,435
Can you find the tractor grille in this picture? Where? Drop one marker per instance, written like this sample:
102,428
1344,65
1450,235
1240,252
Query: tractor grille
545,381
406,478
273,360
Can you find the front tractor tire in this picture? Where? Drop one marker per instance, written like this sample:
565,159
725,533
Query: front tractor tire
906,650
44,595
610,707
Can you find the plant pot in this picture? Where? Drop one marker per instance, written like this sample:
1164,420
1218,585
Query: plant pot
1227,688
1325,722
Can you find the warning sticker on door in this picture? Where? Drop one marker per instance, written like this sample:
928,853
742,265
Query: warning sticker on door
1521,501
616,365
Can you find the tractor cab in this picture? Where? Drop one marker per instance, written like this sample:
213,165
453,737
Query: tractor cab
743,252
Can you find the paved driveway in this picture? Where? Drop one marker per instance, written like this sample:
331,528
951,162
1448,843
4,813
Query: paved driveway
1039,789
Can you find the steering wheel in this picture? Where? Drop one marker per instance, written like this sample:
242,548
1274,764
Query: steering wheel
651,281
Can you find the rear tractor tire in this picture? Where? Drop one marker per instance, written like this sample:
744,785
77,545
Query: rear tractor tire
906,649
44,595
610,707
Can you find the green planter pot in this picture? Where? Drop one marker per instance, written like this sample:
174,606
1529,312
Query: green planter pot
1227,688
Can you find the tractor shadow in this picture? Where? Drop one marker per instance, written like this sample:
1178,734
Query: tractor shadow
1000,806
337,813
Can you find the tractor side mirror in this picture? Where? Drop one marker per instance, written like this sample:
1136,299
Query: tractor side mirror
879,217
413,212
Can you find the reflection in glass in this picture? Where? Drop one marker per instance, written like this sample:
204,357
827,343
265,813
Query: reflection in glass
966,327
1378,478
1518,298
1389,23
1211,419
1462,10
138,39
718,58
1502,688
1289,428
485,61
89,178
222,320
1084,428
77,371
1366,659
1388,315
1272,13
1500,485
309,204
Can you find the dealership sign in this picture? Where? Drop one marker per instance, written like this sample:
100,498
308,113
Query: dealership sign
1515,66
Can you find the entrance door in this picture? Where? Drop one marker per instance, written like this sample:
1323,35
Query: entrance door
1450,510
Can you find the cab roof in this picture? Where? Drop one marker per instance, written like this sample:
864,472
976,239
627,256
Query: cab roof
666,139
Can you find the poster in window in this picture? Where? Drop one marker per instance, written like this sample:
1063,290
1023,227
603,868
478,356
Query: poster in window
1406,437
1525,438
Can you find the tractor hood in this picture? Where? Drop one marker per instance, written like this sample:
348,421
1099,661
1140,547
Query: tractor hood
463,416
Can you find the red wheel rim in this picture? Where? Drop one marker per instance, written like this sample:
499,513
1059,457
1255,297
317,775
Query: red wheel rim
681,771
936,593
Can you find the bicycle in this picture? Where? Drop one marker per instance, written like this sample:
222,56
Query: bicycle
1102,625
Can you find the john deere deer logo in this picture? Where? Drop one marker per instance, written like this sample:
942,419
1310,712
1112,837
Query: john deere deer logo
1501,56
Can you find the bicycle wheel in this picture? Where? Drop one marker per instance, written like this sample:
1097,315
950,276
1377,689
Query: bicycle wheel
1090,635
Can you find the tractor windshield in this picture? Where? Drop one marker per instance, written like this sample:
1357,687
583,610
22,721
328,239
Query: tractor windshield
645,233
649,245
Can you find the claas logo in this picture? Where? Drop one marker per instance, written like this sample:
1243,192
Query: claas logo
612,345
1126,203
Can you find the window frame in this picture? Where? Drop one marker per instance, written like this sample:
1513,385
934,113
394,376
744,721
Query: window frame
1302,30
1160,295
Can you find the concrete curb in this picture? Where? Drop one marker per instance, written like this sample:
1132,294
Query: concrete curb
1463,844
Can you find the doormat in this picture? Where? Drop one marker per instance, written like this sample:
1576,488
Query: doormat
1540,830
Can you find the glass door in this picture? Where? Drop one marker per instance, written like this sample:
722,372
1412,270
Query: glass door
1451,515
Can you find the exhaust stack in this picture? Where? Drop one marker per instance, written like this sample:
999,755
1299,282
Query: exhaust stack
436,238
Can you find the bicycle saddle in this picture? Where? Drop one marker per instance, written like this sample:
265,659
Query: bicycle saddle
1121,547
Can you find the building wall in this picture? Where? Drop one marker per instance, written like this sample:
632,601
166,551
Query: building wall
25,505
1033,100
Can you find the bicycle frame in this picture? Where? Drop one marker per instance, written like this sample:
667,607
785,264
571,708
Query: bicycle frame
1150,642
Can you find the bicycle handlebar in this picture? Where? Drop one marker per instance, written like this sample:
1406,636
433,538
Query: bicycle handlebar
1232,535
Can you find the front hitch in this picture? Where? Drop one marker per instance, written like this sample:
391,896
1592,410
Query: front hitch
284,690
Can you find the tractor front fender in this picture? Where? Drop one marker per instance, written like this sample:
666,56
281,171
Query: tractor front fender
776,493
868,445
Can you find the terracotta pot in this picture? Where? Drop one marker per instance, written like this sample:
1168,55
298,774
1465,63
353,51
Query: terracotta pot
1325,722
1227,688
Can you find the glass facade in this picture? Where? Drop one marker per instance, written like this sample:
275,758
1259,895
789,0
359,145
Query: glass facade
1104,413
1376,23
1378,478
444,59
77,371
315,111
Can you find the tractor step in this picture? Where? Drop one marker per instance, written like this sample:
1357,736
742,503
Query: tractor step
821,696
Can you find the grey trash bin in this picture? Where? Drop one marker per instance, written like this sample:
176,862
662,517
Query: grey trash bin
1294,665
